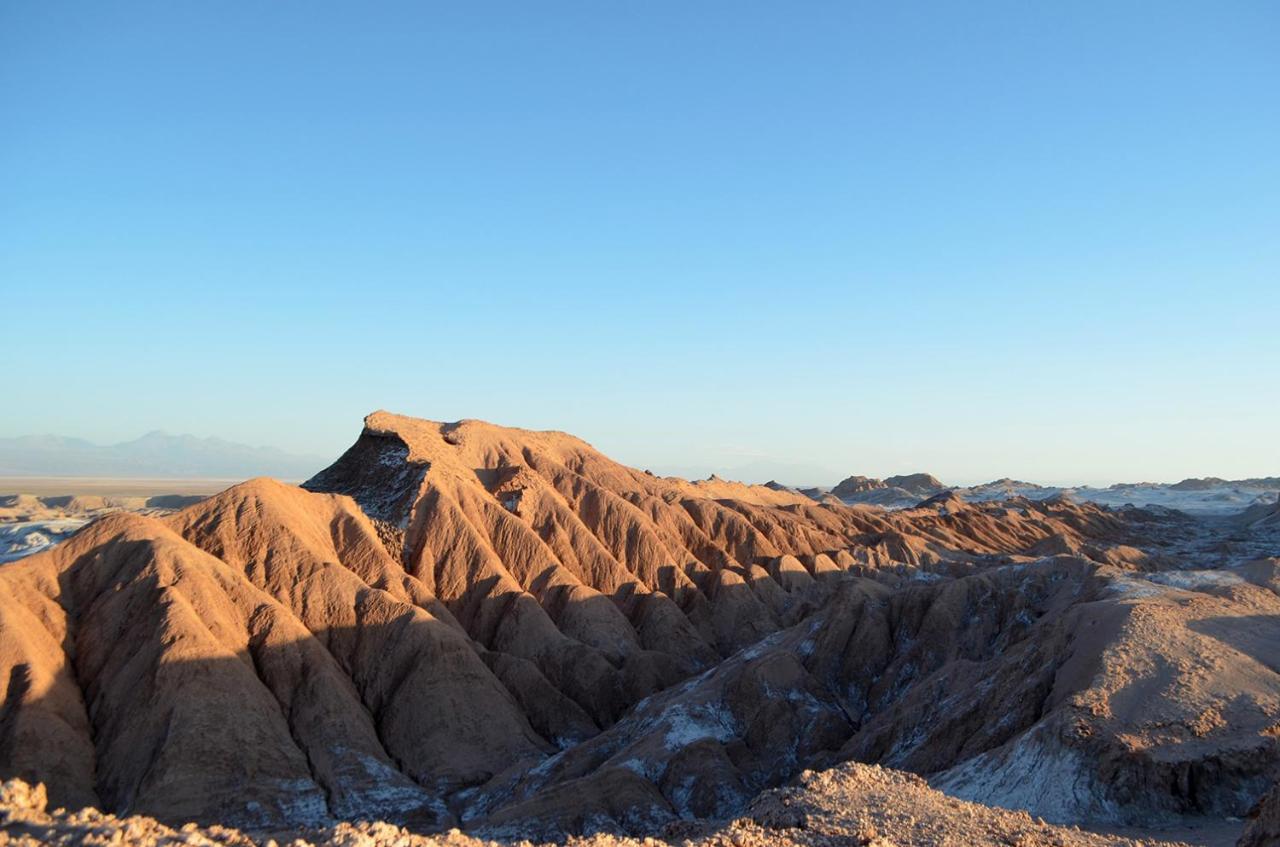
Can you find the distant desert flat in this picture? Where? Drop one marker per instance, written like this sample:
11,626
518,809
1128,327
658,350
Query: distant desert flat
57,486
37,512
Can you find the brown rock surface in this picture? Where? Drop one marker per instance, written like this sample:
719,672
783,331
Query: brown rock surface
856,484
475,625
1263,829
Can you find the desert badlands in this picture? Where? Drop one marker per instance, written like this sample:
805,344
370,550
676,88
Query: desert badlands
463,631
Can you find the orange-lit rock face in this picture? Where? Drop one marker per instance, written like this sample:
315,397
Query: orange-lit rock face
469,624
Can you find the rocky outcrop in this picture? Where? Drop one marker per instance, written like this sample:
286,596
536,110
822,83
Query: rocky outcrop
1263,516
1263,828
895,492
852,485
271,683
918,484
465,624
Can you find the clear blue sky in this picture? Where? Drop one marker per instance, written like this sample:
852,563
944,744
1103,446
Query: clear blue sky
976,239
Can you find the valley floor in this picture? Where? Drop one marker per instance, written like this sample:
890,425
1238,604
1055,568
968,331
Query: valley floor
39,512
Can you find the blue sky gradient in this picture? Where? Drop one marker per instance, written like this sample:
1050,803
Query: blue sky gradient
985,239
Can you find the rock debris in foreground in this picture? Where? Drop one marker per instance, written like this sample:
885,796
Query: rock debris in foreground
852,805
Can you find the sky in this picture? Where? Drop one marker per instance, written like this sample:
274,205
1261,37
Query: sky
797,239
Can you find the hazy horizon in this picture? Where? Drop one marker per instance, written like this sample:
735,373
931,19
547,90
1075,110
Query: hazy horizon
979,241
758,469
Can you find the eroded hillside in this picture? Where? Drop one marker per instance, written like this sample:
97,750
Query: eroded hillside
468,625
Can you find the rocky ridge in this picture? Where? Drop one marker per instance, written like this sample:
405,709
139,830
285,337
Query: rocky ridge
469,625
1207,497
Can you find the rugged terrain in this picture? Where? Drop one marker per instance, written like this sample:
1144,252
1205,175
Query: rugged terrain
853,804
30,523
1205,497
464,625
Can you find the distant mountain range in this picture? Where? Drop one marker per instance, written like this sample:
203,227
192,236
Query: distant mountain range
154,455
